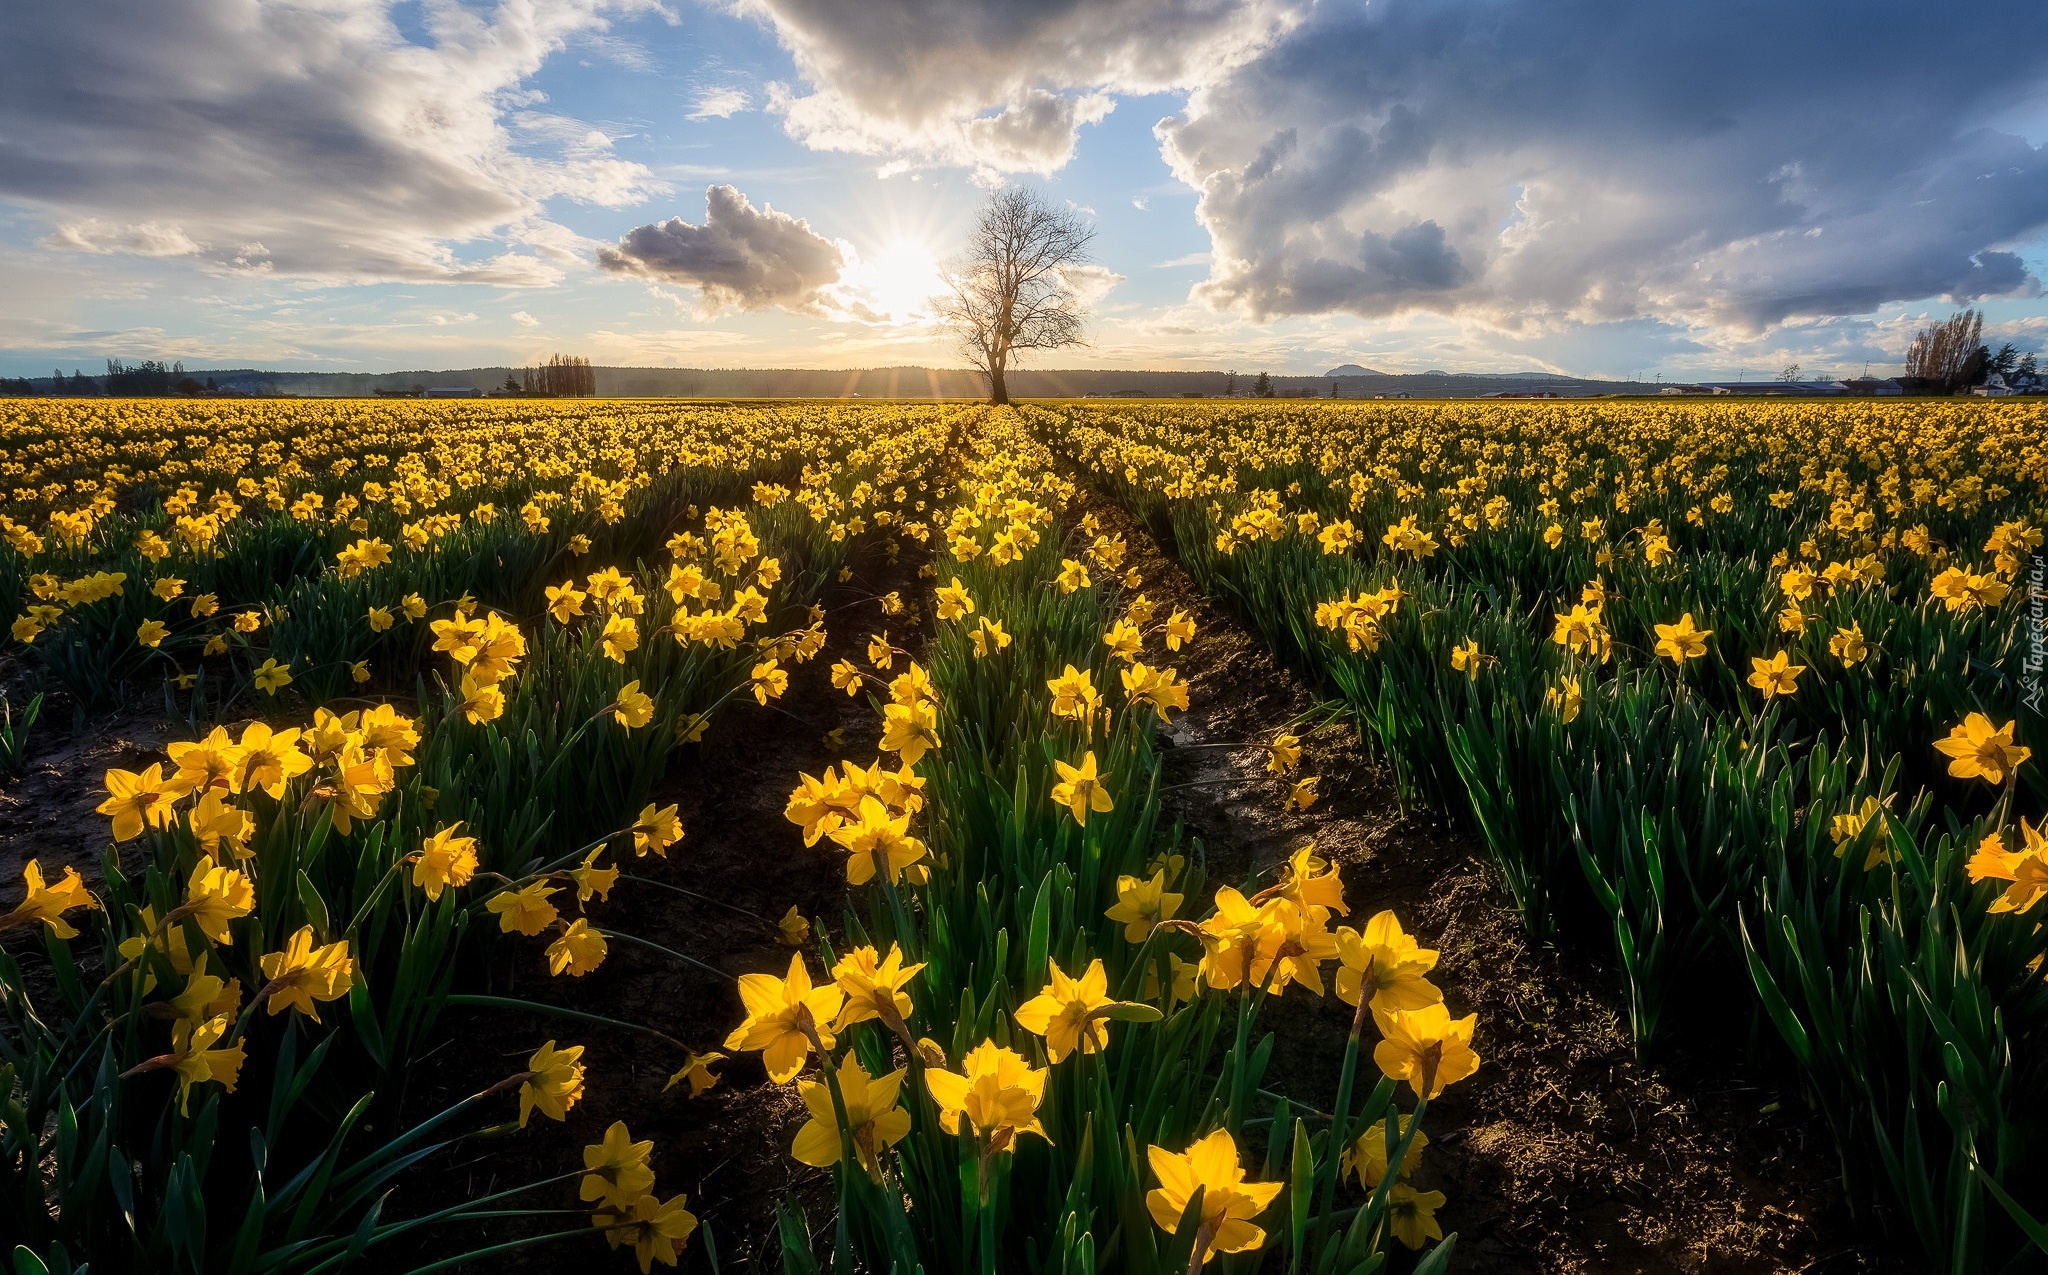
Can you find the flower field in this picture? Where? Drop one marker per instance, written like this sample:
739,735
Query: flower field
1732,700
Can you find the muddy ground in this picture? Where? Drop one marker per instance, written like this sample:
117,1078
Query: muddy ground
1562,1154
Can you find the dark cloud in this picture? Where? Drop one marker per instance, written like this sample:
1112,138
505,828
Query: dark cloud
1732,164
300,138
742,256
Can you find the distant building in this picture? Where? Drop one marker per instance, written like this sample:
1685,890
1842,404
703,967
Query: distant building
455,391
1882,387
1785,389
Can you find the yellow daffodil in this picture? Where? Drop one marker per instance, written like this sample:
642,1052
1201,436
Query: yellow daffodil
305,972
696,1072
875,1121
1978,750
2026,869
525,910
1849,646
1073,694
873,986
1304,794
616,1169
266,760
1283,754
553,1082
135,801
1775,676
768,680
1069,1012
1425,1047
446,858
577,950
954,601
1142,904
215,896
1682,641
47,903
786,1018
995,1091
632,707
876,838
197,1062
1411,1215
1367,1155
1229,1203
655,830
1385,966
1080,789
656,1229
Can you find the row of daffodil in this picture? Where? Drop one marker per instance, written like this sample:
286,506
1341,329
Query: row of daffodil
345,862
1010,839
1529,609
149,581
340,460
1914,460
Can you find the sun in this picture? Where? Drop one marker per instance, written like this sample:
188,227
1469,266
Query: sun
899,280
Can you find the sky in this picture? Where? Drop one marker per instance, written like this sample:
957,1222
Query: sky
1691,190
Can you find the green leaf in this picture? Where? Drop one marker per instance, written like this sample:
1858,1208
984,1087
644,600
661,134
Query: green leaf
1040,937
1133,1012
316,908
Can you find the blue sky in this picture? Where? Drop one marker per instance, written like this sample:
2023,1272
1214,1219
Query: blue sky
1594,188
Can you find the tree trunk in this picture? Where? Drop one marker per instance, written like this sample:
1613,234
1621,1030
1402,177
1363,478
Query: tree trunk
998,392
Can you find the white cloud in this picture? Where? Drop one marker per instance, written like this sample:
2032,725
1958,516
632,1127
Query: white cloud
719,103
312,128
628,54
143,239
994,85
742,257
524,320
1090,282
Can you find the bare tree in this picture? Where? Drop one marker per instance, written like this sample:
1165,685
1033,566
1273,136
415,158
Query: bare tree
1011,291
562,376
1951,353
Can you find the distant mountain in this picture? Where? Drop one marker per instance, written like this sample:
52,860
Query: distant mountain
1348,380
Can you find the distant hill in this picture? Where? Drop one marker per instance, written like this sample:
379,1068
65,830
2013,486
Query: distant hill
1346,381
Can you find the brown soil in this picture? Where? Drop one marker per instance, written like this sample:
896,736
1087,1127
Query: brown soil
1562,1153
48,811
